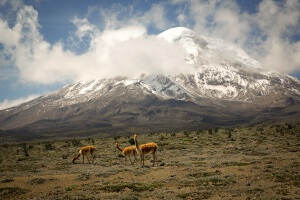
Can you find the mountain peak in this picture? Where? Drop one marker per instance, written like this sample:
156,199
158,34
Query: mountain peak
208,51
175,34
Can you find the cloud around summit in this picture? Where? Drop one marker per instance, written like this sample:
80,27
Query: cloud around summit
126,51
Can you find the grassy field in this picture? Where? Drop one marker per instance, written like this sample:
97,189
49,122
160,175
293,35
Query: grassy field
259,162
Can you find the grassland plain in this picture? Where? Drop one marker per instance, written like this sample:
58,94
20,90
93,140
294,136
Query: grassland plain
258,162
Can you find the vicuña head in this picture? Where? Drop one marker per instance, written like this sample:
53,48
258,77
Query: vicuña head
146,148
84,151
127,152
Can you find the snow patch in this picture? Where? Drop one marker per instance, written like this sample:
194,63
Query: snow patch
88,87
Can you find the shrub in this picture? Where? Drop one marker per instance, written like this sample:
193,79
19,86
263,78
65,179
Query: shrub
71,188
36,181
91,140
7,180
229,132
187,134
25,149
131,141
76,142
116,137
290,126
48,146
259,129
135,187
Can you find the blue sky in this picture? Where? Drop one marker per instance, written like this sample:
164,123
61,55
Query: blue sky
46,44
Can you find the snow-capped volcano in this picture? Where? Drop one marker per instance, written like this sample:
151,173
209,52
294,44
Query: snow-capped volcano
224,73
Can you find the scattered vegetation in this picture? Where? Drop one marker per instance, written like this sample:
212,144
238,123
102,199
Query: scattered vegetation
7,180
261,161
76,142
8,192
71,188
204,174
134,187
234,164
36,181
195,195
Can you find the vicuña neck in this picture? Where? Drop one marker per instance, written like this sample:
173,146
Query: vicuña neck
136,143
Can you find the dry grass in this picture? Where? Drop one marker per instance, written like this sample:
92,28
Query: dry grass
244,163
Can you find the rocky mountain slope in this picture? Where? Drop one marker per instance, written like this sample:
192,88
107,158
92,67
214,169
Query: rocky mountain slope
227,87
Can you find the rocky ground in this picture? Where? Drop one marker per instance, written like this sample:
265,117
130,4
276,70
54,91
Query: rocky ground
259,162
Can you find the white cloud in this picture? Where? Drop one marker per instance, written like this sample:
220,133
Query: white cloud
110,17
84,28
156,17
119,16
8,36
221,19
11,103
277,21
126,51
281,55
264,34
181,18
130,52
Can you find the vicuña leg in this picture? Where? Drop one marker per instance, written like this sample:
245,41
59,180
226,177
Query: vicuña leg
88,158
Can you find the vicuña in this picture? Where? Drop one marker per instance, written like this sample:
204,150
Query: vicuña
127,152
146,148
84,151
